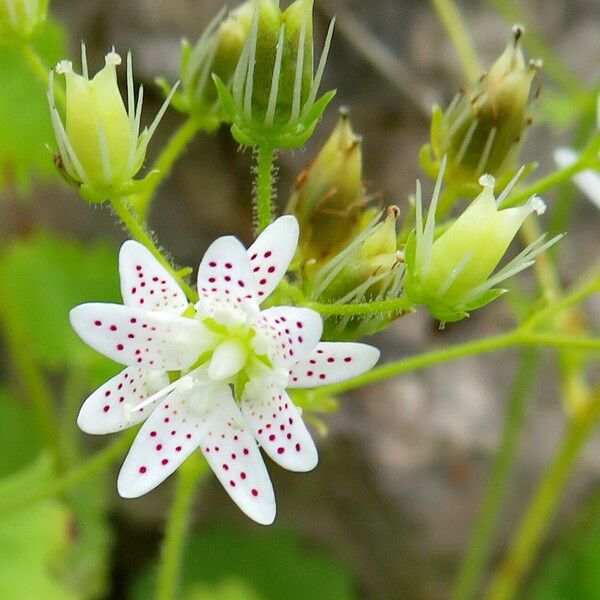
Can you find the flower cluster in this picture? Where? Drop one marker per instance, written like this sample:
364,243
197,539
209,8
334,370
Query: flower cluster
212,375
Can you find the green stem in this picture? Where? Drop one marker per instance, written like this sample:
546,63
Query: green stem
40,70
264,187
479,546
188,478
90,467
549,181
164,163
30,375
139,233
526,542
461,40
506,340
395,305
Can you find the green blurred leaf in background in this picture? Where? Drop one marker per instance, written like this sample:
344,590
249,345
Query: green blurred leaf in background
25,129
271,565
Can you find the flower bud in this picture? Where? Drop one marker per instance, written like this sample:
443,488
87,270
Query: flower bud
369,268
452,274
328,199
100,147
273,97
482,130
217,51
19,19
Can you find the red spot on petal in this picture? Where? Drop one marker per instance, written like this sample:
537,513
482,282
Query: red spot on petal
106,408
142,470
164,461
255,492
97,323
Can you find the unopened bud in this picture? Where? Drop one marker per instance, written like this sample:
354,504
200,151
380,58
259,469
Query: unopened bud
328,198
272,100
483,128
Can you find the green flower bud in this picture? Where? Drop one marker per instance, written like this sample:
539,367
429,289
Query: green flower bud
452,274
273,97
329,199
100,148
19,19
483,129
369,268
217,51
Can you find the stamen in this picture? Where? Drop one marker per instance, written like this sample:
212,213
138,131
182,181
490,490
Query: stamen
464,146
64,67
253,39
455,273
430,224
487,181
485,155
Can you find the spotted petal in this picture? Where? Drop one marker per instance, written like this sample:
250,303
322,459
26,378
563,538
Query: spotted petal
224,277
279,428
235,458
331,362
294,332
171,433
145,283
135,337
108,409
272,253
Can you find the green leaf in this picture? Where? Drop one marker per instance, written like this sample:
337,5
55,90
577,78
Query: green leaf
25,128
44,277
34,541
572,569
273,564
20,444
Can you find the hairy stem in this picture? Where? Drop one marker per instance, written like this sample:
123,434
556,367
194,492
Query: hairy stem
164,163
188,478
394,305
461,40
479,547
263,207
138,231
526,542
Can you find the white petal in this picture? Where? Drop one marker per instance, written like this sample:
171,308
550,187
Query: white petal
587,181
331,362
224,277
293,332
235,458
279,429
135,337
108,409
272,253
146,284
171,433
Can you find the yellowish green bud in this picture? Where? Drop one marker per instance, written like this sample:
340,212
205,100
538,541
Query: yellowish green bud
483,128
453,273
272,100
328,199
19,19
369,268
217,52
100,147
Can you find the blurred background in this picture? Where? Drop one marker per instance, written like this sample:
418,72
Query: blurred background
388,512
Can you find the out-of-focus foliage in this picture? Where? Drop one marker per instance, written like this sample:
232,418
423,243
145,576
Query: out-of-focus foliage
34,542
20,443
572,570
267,566
44,277
25,129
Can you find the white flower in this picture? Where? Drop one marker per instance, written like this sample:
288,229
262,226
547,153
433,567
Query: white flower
233,363
588,181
